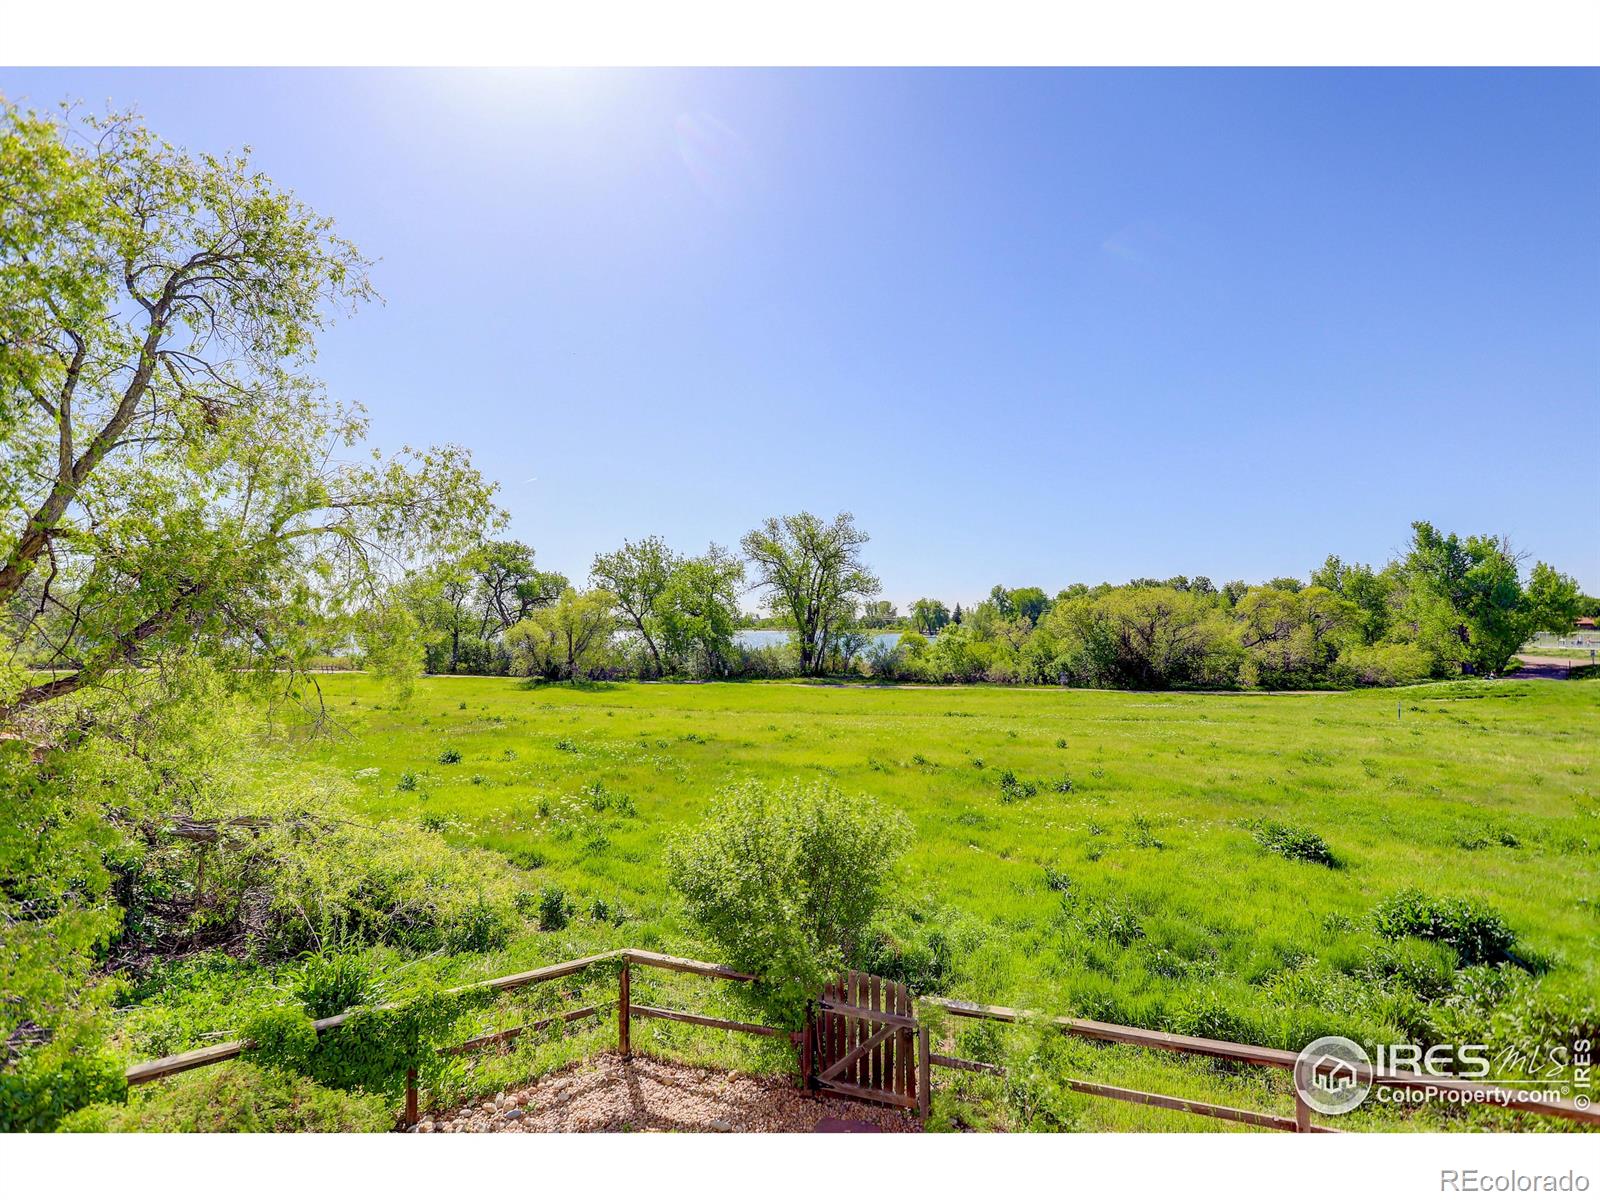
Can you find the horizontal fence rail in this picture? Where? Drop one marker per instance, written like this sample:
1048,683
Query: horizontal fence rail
1445,1087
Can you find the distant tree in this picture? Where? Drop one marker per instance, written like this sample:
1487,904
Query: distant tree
509,586
1290,636
956,617
1029,602
442,600
567,640
1144,637
1000,600
636,575
1554,601
813,573
1233,591
698,611
876,614
1285,583
1463,598
1369,592
929,616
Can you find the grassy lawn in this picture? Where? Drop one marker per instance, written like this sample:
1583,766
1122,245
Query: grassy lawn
1116,878
1166,911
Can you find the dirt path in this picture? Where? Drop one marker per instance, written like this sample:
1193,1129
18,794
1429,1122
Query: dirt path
607,1095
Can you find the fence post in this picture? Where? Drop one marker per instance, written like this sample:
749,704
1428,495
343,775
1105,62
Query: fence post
624,1013
411,1097
924,1073
1302,1112
807,1038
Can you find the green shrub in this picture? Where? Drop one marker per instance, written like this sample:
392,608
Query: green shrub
330,983
390,883
284,1038
1425,968
1115,920
449,756
915,947
1037,1096
552,909
1293,842
786,881
41,1086
1013,789
1382,666
237,1097
1474,931
373,1049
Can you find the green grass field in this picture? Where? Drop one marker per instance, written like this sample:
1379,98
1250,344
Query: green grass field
1116,878
1166,910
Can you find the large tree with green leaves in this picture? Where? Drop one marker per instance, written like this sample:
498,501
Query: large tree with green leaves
698,612
929,616
570,639
813,573
637,575
1465,601
509,586
174,477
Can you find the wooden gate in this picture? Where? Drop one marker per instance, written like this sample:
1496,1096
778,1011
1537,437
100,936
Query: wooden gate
864,1041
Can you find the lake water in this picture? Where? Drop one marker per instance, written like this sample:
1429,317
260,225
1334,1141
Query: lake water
757,639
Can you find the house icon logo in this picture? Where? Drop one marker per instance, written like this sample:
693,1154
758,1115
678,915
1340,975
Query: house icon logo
1333,1075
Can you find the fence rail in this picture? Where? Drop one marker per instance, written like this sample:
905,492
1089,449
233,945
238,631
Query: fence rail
627,1012
1445,1086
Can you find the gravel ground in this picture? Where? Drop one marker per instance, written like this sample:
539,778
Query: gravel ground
606,1094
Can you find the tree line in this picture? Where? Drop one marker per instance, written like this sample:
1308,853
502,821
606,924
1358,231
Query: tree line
1447,606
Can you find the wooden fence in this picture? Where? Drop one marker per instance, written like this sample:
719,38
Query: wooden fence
1444,1086
628,1012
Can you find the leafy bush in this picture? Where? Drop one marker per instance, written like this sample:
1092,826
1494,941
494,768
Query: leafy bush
375,1047
1115,920
1013,789
1382,666
786,881
1057,880
1293,842
450,755
42,1086
916,946
552,909
1036,1093
327,984
237,1097
1474,931
320,881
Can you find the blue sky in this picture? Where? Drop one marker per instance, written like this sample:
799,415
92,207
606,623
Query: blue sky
1031,327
